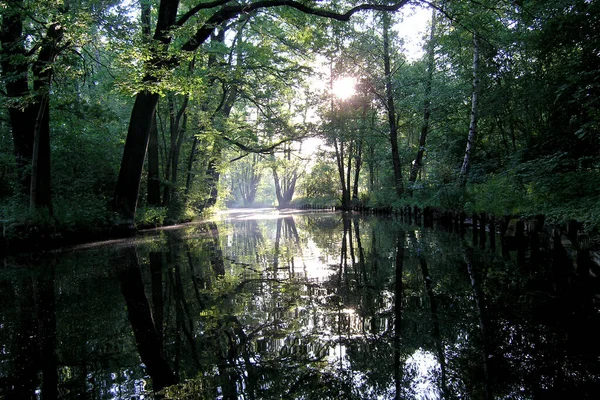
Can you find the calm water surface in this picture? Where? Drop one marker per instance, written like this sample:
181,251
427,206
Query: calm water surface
268,305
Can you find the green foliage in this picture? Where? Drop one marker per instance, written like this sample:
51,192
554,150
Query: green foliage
150,217
83,213
321,183
499,195
536,151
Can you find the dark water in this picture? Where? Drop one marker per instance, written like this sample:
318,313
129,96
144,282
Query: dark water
304,306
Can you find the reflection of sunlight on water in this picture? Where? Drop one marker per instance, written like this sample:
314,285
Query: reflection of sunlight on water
425,366
241,214
244,214
337,357
315,262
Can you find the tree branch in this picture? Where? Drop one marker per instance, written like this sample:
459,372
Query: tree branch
229,12
202,6
259,150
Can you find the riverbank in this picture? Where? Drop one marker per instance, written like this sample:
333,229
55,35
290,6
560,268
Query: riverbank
512,231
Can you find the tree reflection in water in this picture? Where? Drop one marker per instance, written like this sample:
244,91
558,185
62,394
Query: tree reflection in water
308,306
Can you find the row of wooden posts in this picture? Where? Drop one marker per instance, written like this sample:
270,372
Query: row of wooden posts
567,247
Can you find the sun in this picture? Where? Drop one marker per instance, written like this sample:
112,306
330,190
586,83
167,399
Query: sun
344,88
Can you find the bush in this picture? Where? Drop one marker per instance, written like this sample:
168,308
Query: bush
150,217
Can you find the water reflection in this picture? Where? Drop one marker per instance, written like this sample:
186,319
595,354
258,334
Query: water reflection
314,306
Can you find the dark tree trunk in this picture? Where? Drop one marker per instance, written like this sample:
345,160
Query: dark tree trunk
41,194
391,108
130,173
357,167
418,164
142,115
178,125
153,167
348,189
339,154
190,167
14,74
30,121
212,179
371,170
153,195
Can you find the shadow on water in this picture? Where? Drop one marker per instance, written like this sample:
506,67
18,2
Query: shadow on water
314,305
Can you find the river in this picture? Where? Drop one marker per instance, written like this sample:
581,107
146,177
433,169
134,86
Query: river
261,304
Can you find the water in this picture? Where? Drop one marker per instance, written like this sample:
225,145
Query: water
268,305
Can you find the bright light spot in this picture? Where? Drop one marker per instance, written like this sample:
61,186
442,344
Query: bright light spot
412,30
426,367
344,88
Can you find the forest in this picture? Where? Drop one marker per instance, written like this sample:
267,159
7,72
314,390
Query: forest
118,115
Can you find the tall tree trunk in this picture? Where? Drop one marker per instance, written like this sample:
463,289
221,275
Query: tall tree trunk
30,122
153,195
140,123
41,194
40,191
132,163
357,167
466,165
153,167
190,167
212,179
348,189
418,164
14,74
371,170
178,126
391,108
339,155
177,152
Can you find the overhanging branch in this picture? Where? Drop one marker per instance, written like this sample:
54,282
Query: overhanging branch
228,12
258,150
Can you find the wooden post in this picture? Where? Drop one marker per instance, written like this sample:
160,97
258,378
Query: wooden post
482,235
493,233
475,236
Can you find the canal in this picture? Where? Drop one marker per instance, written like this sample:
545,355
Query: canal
261,304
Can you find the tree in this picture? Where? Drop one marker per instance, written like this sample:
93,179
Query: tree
464,169
430,55
391,107
285,175
29,110
126,194
248,179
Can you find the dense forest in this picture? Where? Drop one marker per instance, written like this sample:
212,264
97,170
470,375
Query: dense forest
141,113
